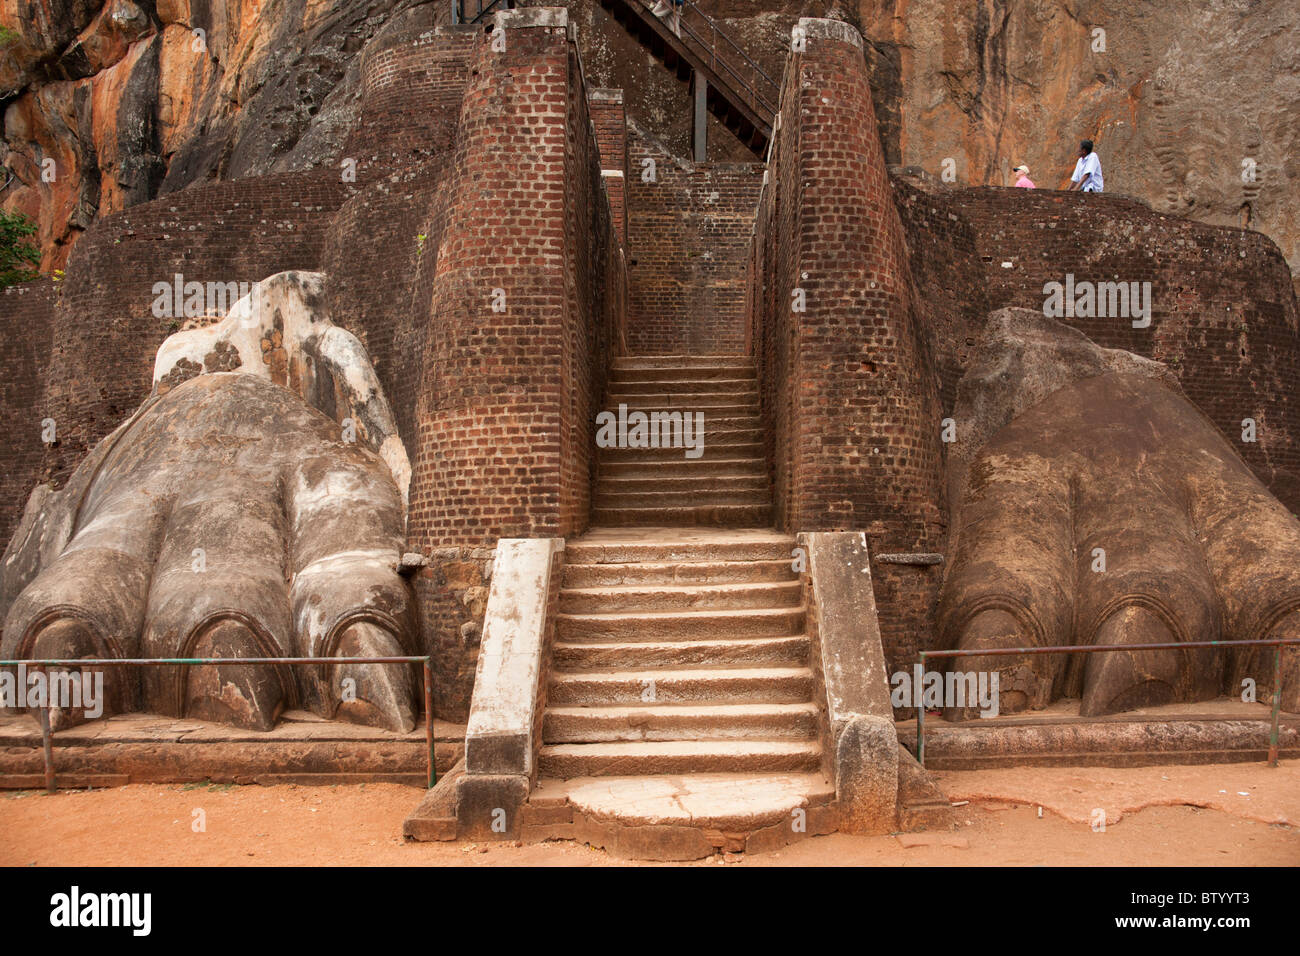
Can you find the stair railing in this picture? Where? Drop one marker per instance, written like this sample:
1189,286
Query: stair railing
473,11
701,31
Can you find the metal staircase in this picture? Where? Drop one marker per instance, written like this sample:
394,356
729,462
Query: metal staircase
726,80
474,11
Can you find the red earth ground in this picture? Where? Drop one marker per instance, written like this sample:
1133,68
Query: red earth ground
1230,815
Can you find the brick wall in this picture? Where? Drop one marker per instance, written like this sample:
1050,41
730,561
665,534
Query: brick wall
503,439
105,333
26,330
610,121
849,389
596,282
689,230
412,82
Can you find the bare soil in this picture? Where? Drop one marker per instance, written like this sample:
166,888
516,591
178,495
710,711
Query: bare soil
1230,815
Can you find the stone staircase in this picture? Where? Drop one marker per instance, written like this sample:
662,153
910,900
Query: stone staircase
680,701
728,486
680,705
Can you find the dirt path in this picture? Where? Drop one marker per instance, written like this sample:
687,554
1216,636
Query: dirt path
1149,822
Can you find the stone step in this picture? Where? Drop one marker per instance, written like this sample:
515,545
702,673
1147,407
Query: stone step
695,399
713,516
725,423
679,597
679,722
694,373
645,757
730,436
659,810
725,408
712,435
721,494
677,572
674,545
713,450
725,385
680,625
623,485
762,651
683,468
736,685
682,361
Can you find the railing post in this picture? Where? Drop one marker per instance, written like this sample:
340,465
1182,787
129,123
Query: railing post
428,718
49,750
920,720
1273,734
701,131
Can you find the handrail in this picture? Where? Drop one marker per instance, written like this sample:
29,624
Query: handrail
83,663
748,86
758,71
459,14
1277,642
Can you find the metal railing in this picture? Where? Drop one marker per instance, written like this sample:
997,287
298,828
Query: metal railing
1277,643
473,11
704,36
82,664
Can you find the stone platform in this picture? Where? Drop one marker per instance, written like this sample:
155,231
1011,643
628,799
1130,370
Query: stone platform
1226,730
144,748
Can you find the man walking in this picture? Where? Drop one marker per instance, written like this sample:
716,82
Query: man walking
1022,177
1087,171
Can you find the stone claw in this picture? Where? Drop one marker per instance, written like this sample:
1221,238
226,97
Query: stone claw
377,695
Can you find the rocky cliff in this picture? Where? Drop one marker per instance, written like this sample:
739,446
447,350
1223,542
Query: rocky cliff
1192,110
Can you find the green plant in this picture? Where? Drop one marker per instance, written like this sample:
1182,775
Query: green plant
7,35
18,257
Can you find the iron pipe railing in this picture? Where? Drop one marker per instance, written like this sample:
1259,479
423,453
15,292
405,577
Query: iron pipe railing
463,12
760,89
1277,642
91,663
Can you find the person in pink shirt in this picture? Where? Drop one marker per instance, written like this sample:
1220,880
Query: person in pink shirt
1024,182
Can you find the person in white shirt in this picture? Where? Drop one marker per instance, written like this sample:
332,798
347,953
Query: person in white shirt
1087,171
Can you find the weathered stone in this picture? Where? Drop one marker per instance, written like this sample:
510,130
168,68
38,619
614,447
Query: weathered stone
503,712
1082,521
490,806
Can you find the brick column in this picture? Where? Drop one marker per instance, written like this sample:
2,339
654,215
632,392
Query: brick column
610,120
487,461
850,391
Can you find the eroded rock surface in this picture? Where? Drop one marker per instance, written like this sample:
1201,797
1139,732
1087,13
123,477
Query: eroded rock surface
131,106
1098,505
231,516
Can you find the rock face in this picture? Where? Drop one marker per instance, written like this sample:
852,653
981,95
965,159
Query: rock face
132,101
1080,519
1176,103
135,100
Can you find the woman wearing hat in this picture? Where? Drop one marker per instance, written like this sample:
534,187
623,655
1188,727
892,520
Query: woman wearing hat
1024,182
